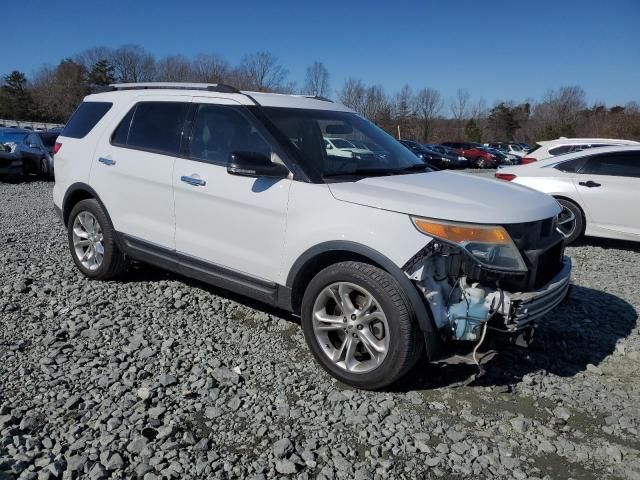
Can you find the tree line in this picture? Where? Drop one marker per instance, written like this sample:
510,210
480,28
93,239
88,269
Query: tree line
424,115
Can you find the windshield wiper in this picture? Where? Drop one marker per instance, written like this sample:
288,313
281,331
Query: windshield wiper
363,171
418,167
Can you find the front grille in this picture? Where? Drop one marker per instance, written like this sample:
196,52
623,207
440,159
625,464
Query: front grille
541,247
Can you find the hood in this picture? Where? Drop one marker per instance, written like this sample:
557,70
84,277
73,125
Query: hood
448,195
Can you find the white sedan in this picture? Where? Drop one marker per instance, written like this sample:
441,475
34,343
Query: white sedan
599,190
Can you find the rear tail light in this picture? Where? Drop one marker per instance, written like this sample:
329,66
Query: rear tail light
505,176
527,160
56,147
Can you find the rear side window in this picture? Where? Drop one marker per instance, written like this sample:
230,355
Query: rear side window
570,166
560,150
625,164
157,126
86,116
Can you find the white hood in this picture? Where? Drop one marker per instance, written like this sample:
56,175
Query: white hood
448,195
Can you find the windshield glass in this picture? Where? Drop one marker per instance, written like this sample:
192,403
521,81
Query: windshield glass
308,131
12,137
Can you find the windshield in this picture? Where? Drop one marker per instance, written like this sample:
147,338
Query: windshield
12,137
308,131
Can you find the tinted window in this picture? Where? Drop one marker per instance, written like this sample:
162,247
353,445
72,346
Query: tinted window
218,131
625,164
48,139
560,150
570,166
121,133
157,126
86,116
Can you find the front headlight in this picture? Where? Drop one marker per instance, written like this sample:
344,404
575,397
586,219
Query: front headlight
490,245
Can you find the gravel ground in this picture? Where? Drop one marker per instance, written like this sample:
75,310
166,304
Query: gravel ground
156,376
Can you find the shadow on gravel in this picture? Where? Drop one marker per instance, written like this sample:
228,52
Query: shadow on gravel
30,178
582,331
607,243
147,273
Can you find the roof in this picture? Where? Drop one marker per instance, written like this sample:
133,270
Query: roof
564,140
134,90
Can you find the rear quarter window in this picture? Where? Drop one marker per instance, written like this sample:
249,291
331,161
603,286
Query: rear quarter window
86,116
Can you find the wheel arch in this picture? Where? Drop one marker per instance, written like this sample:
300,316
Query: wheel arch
76,193
322,255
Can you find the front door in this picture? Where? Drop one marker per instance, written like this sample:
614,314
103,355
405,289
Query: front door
228,222
608,184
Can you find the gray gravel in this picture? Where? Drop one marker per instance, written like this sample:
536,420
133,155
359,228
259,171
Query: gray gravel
156,376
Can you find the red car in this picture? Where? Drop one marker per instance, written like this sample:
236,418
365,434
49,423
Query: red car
475,153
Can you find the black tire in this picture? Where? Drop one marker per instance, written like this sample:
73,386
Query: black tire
44,168
481,162
406,342
579,223
114,262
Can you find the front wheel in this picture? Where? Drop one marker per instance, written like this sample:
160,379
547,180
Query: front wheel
360,325
481,162
570,221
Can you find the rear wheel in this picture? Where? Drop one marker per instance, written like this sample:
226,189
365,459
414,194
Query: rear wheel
481,162
92,242
360,325
44,168
571,221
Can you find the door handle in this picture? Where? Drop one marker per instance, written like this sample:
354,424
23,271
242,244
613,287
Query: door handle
107,161
193,180
589,184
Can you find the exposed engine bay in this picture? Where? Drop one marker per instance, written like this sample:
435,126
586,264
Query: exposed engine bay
467,299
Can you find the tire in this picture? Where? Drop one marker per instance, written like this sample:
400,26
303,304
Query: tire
108,264
394,325
481,162
579,223
44,168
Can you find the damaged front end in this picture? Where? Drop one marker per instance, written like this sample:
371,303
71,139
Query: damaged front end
479,278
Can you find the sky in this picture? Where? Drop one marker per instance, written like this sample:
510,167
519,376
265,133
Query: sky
495,49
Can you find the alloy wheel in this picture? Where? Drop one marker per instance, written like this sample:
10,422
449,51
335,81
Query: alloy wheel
88,240
351,327
566,222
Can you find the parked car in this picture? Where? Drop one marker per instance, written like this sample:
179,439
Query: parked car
381,258
596,189
10,156
525,147
562,145
451,158
37,151
342,147
509,148
431,158
475,153
503,158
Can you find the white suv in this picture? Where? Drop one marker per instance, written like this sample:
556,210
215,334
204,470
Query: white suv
382,258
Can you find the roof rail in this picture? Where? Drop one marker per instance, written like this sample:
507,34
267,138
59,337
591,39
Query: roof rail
318,97
211,87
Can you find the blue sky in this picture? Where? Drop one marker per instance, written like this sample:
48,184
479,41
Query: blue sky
494,49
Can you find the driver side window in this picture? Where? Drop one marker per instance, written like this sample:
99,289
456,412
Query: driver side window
220,130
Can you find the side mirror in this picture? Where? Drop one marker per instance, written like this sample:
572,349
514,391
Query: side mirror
255,164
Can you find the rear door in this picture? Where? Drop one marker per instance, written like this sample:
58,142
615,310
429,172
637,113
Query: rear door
228,225
608,185
133,168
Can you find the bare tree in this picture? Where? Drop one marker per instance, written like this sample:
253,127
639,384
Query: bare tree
132,63
428,104
377,107
210,68
353,95
262,72
460,104
59,90
88,58
175,68
317,80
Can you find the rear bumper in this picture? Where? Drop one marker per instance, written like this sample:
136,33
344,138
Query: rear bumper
528,307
